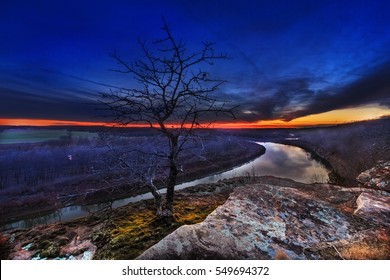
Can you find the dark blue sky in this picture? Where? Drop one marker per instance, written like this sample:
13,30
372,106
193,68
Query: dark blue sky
289,58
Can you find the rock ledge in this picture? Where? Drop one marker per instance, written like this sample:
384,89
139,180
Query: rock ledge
275,218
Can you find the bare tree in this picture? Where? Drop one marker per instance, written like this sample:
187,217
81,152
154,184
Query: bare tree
173,97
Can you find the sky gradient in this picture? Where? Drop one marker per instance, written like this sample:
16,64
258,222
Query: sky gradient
293,63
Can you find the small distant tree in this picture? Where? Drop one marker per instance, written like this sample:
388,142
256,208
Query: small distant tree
173,97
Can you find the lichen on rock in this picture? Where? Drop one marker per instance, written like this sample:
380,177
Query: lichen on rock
286,220
377,177
374,207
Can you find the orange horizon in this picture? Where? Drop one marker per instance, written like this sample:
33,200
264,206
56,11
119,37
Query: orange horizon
221,125
47,122
328,118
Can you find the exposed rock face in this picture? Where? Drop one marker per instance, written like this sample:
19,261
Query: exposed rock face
53,242
377,177
276,218
374,207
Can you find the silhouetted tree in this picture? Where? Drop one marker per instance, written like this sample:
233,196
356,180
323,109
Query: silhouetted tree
173,97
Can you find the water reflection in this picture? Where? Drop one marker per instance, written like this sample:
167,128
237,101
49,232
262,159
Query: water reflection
290,162
38,220
279,160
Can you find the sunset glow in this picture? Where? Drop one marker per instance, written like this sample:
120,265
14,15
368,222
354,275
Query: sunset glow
329,118
344,116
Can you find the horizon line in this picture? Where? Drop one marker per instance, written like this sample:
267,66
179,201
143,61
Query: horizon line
217,125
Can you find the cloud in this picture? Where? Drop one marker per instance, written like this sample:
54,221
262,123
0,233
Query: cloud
49,94
273,100
374,87
291,98
22,104
284,98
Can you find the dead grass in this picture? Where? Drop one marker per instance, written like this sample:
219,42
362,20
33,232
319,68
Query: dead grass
135,228
377,248
280,255
365,251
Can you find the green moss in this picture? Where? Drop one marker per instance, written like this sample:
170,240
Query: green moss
51,251
136,228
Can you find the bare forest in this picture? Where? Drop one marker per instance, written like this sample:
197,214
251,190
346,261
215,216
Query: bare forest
108,165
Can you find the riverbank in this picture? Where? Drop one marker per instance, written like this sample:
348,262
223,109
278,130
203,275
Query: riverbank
46,202
347,149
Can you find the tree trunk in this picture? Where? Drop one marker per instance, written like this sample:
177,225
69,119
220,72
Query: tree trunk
157,196
157,199
171,189
173,171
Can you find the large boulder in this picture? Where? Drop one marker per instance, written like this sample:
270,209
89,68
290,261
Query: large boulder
278,219
377,177
374,207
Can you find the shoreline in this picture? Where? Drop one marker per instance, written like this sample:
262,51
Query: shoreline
100,196
321,156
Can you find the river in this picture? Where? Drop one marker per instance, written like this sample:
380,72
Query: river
279,160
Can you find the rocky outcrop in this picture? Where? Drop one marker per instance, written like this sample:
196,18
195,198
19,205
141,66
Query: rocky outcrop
263,218
275,218
59,242
374,207
377,177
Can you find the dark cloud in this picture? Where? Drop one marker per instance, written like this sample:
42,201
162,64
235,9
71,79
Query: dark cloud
21,104
288,99
274,100
374,87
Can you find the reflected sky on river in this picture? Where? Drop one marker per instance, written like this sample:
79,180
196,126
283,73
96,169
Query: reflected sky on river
289,162
279,160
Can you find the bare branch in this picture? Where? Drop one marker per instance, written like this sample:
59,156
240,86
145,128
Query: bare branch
174,96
